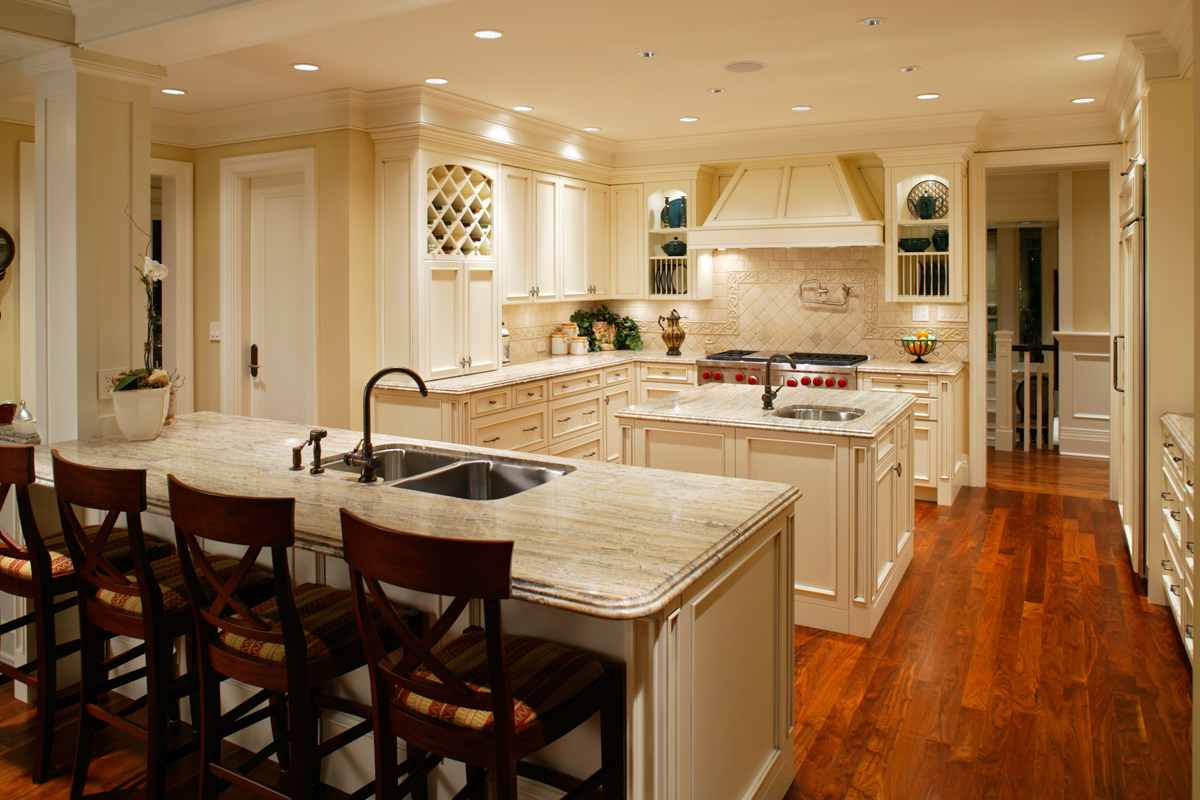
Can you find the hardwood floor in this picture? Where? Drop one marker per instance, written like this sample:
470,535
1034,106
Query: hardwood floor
1017,660
1045,471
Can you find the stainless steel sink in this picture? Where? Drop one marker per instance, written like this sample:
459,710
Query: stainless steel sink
820,413
397,462
483,479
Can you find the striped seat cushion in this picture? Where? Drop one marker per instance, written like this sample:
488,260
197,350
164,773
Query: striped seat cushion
169,574
543,676
326,614
116,549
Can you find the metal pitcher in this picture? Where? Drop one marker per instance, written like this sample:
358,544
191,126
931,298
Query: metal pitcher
673,333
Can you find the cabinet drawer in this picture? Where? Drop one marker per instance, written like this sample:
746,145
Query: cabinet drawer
586,448
492,402
575,416
515,430
925,408
528,394
656,391
885,450
574,384
618,374
667,373
910,384
1173,459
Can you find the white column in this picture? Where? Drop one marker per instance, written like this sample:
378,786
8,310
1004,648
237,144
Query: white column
93,164
1004,391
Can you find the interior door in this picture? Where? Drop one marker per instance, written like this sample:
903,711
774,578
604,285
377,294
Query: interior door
573,238
545,244
1128,384
516,233
281,304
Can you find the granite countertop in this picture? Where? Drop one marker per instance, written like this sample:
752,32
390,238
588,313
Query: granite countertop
909,368
605,540
741,406
534,371
1182,427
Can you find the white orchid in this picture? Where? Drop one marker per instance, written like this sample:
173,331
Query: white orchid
152,270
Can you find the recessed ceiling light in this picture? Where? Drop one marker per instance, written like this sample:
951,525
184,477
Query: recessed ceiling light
745,66
591,129
1090,57
436,81
646,53
872,22
522,109
928,96
488,34
801,108
689,119
909,68
716,90
306,67
174,92
1083,101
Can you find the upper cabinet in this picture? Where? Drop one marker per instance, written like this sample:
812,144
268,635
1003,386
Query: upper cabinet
628,249
599,238
672,270
926,241
516,233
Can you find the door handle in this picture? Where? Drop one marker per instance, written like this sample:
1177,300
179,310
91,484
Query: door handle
253,361
1116,360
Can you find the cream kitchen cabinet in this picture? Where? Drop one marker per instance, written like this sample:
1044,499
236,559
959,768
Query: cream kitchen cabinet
939,436
516,234
465,308
660,379
616,397
546,233
1177,523
599,227
629,277
854,522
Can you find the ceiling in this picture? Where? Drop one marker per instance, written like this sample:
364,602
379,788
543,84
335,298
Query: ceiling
578,64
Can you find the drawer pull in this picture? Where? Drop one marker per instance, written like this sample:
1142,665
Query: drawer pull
490,441
1167,565
1167,496
1177,459
591,454
1191,483
589,413
1191,548
565,419
529,430
531,394
1175,589
491,402
1187,630
1168,445
1175,516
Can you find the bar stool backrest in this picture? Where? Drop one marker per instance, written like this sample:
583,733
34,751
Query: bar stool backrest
17,475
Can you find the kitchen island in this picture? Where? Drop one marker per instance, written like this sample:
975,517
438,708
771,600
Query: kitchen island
850,455
642,566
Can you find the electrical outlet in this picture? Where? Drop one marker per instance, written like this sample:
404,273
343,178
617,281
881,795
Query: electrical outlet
214,331
104,379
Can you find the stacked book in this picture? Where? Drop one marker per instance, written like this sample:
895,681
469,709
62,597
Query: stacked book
10,435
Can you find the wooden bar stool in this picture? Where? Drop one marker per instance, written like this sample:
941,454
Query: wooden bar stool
287,646
483,698
147,603
40,571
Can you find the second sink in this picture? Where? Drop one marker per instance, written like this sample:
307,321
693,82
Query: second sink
397,461
483,479
820,413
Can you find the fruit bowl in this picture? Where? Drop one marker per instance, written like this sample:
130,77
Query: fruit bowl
918,346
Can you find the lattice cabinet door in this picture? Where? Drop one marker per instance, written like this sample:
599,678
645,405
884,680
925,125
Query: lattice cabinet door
459,212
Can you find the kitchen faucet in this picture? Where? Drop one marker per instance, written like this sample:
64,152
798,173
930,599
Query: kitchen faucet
364,455
770,393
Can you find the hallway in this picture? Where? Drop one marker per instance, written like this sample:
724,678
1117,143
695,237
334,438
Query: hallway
1018,659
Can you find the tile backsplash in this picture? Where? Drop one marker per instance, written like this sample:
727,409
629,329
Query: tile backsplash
757,303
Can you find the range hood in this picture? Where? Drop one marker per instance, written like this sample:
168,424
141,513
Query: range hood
802,202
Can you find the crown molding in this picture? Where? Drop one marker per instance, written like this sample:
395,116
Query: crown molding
90,62
1179,35
1055,130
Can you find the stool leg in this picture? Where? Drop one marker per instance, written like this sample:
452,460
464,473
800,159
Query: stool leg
210,727
612,736
477,780
91,657
279,730
160,669
305,775
420,785
502,781
47,684
386,766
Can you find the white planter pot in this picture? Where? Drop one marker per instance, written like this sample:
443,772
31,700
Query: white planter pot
140,412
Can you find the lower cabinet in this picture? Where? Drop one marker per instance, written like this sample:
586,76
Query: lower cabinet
854,522
616,398
522,429
588,447
1177,523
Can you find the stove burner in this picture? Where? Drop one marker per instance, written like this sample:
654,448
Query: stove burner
731,355
829,359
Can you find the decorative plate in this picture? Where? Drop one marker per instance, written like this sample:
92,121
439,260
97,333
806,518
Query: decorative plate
937,189
8,251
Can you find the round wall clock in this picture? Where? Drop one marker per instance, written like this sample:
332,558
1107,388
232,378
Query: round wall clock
8,251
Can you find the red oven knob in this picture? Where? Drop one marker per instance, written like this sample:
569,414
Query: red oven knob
841,383
753,381
706,375
806,380
791,382
829,381
718,377
739,377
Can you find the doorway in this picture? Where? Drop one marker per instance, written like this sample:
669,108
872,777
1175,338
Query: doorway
171,244
268,286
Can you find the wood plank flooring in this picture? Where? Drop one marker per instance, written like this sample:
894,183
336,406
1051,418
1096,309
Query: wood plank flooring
1018,659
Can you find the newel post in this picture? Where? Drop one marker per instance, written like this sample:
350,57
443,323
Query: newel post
1004,390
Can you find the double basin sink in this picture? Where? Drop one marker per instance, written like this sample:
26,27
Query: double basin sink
450,474
812,413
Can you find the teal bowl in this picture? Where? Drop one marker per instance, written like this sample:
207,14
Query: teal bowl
915,245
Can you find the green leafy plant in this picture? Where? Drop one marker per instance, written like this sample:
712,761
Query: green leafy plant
627,337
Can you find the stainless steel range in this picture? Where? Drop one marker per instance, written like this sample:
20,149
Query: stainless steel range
826,370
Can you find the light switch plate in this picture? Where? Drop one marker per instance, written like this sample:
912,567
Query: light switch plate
104,379
214,331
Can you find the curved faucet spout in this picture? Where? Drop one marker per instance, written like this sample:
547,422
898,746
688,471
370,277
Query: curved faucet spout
769,390
365,457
